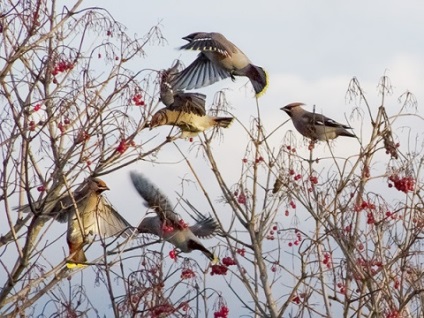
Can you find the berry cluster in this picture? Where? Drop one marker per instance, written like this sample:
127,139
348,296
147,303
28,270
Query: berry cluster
122,147
62,127
37,107
173,254
228,261
241,199
327,260
297,240
182,224
296,176
32,125
271,236
241,251
372,266
138,100
162,310
222,312
342,288
289,148
187,273
365,205
218,269
62,66
167,228
296,300
404,184
393,314
259,159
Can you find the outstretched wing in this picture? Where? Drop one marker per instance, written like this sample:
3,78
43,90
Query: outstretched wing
202,72
206,226
192,103
208,42
154,198
106,221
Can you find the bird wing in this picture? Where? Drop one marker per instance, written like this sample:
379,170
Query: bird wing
210,42
60,206
154,198
321,120
99,217
189,103
202,72
206,226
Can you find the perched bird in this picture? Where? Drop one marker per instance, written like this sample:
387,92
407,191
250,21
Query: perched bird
218,59
168,225
184,110
95,217
315,126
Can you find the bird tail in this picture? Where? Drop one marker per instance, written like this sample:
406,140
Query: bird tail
77,256
259,79
344,132
223,121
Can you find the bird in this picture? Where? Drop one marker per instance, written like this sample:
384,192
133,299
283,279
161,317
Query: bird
315,126
184,110
218,59
95,216
168,225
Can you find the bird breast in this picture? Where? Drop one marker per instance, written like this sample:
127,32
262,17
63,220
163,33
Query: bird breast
236,61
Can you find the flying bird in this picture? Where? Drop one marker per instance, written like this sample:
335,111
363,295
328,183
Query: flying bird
315,126
218,59
95,216
168,225
184,110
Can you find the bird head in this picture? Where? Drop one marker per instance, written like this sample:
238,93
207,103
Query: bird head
98,185
158,119
290,108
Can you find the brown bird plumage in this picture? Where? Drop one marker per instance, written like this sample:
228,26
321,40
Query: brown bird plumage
218,59
315,126
96,216
168,225
184,110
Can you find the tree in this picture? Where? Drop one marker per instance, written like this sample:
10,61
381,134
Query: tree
306,229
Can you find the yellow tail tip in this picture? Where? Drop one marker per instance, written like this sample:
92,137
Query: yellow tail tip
215,260
263,91
72,265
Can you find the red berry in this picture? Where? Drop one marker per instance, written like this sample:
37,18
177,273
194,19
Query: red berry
41,188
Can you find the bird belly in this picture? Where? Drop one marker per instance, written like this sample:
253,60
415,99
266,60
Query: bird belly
178,238
236,61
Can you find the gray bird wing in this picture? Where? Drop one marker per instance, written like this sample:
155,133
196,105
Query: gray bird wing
321,120
189,103
206,226
202,72
58,207
210,42
154,198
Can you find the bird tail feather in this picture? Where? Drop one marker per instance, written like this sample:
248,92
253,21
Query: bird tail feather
259,78
223,121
